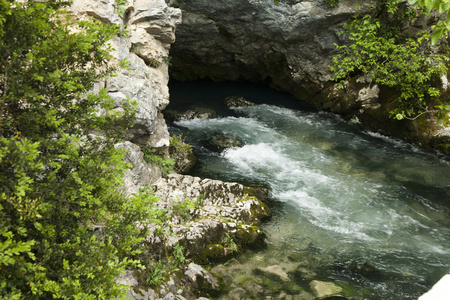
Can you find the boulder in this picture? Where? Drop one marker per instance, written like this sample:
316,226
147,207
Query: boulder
220,142
202,279
237,101
200,113
220,208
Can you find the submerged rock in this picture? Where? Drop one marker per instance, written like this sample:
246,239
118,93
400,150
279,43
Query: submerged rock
274,272
220,142
324,290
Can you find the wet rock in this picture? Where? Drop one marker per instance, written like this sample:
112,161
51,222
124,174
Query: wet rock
248,234
324,290
220,142
237,101
237,294
275,273
214,253
200,113
182,154
202,279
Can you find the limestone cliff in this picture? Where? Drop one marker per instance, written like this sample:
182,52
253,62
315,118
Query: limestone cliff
147,30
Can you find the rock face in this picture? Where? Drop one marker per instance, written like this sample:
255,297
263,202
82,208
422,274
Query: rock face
289,46
147,30
141,174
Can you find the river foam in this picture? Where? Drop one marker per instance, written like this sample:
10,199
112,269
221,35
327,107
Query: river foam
359,198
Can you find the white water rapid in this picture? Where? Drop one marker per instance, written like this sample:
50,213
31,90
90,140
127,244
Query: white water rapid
352,207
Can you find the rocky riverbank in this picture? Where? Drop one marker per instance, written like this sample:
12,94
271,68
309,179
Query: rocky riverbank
208,220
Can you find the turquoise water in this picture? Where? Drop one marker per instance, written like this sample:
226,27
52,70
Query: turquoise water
353,207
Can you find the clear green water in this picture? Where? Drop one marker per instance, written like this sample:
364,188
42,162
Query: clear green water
352,207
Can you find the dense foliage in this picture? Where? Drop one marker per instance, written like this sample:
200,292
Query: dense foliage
66,231
391,56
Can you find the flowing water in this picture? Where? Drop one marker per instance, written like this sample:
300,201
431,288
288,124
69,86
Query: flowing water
351,207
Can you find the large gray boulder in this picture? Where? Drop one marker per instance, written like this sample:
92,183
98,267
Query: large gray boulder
219,208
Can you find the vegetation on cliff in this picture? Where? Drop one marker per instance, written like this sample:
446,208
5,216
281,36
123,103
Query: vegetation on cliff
385,45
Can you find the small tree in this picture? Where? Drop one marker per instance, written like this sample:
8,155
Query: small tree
59,170
381,49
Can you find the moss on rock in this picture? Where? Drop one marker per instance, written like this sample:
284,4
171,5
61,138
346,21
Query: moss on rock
213,253
247,234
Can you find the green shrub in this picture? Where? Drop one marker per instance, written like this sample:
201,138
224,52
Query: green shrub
152,156
332,3
183,209
182,154
382,49
229,243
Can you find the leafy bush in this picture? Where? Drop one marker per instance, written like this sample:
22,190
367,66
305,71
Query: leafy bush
229,243
380,49
178,253
183,209
181,153
332,3
66,230
154,157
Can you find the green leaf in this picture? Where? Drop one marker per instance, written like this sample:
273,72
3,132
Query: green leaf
436,36
399,117
429,4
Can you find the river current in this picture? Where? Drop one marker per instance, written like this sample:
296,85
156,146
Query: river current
349,206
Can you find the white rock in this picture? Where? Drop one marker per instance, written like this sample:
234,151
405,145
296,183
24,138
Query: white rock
440,291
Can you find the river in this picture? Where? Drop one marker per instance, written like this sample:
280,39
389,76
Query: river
352,207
